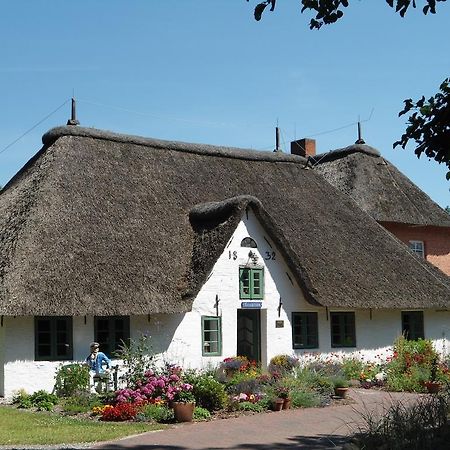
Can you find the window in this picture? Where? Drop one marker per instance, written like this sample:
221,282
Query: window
417,247
211,336
251,283
248,242
305,330
110,332
343,329
53,338
412,325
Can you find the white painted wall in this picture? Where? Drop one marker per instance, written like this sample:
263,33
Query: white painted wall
2,361
177,338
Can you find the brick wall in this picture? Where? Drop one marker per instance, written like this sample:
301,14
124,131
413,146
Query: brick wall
436,241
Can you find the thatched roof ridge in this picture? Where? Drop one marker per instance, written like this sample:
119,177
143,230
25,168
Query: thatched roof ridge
342,152
203,149
378,187
109,226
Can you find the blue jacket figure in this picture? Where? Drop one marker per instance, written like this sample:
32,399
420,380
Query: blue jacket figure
97,359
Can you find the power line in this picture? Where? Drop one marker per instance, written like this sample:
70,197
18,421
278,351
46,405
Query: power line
33,127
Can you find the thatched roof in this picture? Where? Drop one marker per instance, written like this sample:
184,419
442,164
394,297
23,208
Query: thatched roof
101,223
378,187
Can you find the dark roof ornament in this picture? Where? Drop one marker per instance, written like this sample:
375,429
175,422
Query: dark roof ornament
360,139
277,141
73,119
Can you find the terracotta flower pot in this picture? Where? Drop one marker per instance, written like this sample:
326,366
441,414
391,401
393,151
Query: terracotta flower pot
184,412
278,405
433,387
287,403
340,392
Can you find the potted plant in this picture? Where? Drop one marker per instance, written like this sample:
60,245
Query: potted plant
183,403
340,386
283,397
433,386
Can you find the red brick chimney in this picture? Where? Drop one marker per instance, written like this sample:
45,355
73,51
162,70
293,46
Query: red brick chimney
304,147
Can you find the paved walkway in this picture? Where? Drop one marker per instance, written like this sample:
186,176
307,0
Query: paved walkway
312,428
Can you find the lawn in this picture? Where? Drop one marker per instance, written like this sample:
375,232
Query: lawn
27,427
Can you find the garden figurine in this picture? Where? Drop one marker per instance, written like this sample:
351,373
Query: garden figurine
96,361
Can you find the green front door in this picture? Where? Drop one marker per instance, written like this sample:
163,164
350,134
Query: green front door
249,334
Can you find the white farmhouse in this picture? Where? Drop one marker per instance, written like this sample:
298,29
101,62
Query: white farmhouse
212,251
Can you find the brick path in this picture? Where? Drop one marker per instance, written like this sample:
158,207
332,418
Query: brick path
312,428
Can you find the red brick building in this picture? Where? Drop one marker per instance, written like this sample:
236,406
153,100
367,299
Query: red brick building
391,198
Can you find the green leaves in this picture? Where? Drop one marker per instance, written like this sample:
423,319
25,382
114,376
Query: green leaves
330,11
429,125
260,7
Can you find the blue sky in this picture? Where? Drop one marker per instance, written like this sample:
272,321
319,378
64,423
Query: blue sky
205,71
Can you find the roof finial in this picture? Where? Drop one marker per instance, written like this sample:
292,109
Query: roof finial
277,140
73,118
360,139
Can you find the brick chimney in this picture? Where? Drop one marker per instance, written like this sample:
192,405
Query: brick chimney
304,147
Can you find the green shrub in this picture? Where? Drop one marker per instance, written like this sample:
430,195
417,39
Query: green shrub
326,368
352,368
138,358
301,399
71,379
208,392
282,364
157,413
81,403
22,399
339,382
266,402
41,400
249,406
201,413
310,379
411,365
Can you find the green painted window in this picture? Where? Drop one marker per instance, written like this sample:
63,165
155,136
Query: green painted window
343,333
53,338
412,325
251,283
111,332
211,336
305,332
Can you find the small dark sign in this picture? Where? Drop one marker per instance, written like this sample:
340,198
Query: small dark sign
279,323
250,305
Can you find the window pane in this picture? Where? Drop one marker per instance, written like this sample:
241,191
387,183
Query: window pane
62,350
44,351
305,330
43,325
412,325
53,338
248,242
343,329
211,344
214,347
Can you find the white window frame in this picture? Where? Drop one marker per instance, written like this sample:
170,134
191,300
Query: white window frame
418,247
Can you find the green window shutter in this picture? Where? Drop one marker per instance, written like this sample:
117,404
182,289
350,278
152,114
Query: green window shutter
257,283
244,283
251,283
211,336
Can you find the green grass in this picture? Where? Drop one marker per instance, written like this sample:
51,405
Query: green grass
27,427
